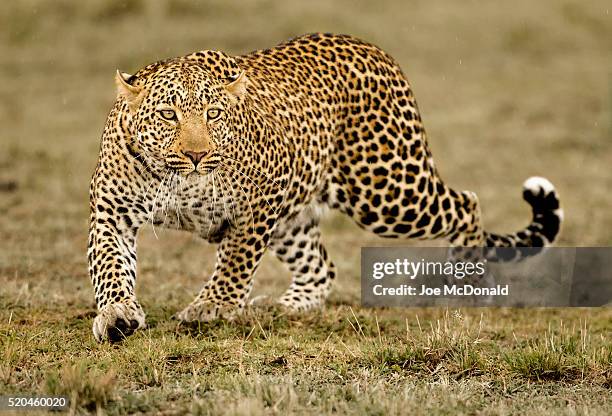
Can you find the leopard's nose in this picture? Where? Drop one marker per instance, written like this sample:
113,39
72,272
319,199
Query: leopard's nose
195,157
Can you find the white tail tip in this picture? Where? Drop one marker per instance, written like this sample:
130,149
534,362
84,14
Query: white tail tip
535,183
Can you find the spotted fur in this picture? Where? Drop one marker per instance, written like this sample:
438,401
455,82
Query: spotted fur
245,151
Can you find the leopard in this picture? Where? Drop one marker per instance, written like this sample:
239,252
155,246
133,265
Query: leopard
248,152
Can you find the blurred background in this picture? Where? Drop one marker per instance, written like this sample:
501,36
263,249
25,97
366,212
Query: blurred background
506,89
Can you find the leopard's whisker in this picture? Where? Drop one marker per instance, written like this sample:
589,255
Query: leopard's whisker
148,160
247,200
229,194
146,192
211,211
263,195
166,202
145,163
227,199
265,175
143,155
222,197
153,204
159,194
177,199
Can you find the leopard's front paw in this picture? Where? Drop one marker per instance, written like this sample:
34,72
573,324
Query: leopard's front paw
206,310
117,321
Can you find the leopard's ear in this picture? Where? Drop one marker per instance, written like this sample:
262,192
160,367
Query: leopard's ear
133,95
237,87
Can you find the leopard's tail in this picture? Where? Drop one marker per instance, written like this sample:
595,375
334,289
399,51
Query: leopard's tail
544,227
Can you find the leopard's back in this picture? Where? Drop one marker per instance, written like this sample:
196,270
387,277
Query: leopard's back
350,110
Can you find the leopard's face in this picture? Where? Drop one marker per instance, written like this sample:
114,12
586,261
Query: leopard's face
181,115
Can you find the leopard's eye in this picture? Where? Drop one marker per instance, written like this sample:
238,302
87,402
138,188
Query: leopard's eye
213,114
168,114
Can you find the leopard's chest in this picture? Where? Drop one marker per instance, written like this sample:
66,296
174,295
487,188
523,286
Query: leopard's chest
203,209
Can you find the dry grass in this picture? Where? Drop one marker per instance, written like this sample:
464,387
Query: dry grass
506,92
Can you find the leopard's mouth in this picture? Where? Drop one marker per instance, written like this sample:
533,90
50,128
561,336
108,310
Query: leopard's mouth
192,167
195,172
188,171
206,169
198,173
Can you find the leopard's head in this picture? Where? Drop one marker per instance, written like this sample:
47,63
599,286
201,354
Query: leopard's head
180,111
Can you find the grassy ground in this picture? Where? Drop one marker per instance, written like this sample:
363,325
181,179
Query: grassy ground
506,92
